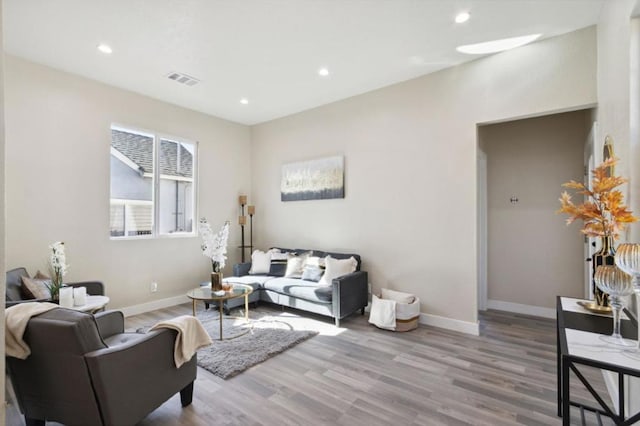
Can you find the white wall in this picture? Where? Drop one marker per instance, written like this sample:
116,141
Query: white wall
614,63
619,104
57,171
634,125
533,256
410,159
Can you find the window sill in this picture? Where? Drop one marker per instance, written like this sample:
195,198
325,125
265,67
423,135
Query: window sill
155,237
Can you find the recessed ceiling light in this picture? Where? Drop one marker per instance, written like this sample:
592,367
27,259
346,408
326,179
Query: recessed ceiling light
462,17
323,72
244,101
497,45
105,48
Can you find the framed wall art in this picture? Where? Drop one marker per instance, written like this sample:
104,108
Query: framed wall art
318,179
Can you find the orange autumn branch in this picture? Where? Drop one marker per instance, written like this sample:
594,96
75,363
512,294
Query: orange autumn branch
603,214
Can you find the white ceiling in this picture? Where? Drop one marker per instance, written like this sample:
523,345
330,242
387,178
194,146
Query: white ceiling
269,51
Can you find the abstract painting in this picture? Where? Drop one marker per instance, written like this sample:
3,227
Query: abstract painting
313,180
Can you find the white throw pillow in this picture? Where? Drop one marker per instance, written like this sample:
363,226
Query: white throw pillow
335,268
314,261
260,262
397,296
295,265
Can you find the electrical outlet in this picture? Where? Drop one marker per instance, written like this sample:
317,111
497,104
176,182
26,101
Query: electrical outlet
153,287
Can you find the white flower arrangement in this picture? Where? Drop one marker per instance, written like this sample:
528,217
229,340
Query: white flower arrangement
214,246
58,266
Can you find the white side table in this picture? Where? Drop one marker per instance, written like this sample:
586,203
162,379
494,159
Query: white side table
94,303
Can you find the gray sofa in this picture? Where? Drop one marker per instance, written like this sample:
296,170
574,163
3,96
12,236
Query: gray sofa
346,294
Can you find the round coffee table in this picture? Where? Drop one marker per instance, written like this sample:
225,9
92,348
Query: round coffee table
205,294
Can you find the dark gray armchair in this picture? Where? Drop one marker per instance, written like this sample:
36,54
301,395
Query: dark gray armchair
14,294
85,370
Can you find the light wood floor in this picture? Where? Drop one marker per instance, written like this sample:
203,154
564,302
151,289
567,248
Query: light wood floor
366,376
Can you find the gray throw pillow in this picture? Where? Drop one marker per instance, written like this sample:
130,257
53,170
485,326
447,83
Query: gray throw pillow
312,273
33,288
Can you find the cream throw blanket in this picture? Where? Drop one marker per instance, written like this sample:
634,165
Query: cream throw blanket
191,337
16,319
383,313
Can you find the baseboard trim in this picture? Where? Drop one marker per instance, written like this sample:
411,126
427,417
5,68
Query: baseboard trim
152,306
450,324
537,311
427,319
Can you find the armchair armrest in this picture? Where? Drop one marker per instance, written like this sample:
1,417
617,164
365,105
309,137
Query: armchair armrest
110,323
350,292
146,361
94,288
241,269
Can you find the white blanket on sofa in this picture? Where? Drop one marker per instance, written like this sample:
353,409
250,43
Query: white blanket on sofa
383,313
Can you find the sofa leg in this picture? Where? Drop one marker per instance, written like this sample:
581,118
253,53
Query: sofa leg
362,311
206,305
337,322
33,422
186,395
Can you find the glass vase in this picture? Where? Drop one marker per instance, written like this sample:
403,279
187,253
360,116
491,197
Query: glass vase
603,257
627,258
216,281
618,284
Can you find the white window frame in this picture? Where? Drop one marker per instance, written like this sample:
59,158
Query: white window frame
155,197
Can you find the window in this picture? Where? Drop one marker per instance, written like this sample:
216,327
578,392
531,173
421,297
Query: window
152,184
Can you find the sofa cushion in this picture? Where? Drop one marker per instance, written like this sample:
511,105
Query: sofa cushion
260,262
313,269
123,338
312,273
39,275
301,289
33,288
323,254
295,265
278,263
14,284
255,281
335,268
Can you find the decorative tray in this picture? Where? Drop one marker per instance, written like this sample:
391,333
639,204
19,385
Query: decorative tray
592,306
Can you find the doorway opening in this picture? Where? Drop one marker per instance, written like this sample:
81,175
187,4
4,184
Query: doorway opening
526,254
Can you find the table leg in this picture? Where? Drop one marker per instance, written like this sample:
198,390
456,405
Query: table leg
246,307
558,371
194,307
220,310
566,398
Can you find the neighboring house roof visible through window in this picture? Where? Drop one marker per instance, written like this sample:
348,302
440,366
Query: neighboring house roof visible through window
139,149
175,163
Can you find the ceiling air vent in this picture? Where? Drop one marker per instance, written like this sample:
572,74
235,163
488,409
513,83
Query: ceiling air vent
183,78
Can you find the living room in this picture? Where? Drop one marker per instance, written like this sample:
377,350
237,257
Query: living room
410,152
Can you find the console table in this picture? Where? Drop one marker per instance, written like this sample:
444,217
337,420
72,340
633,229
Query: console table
578,344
